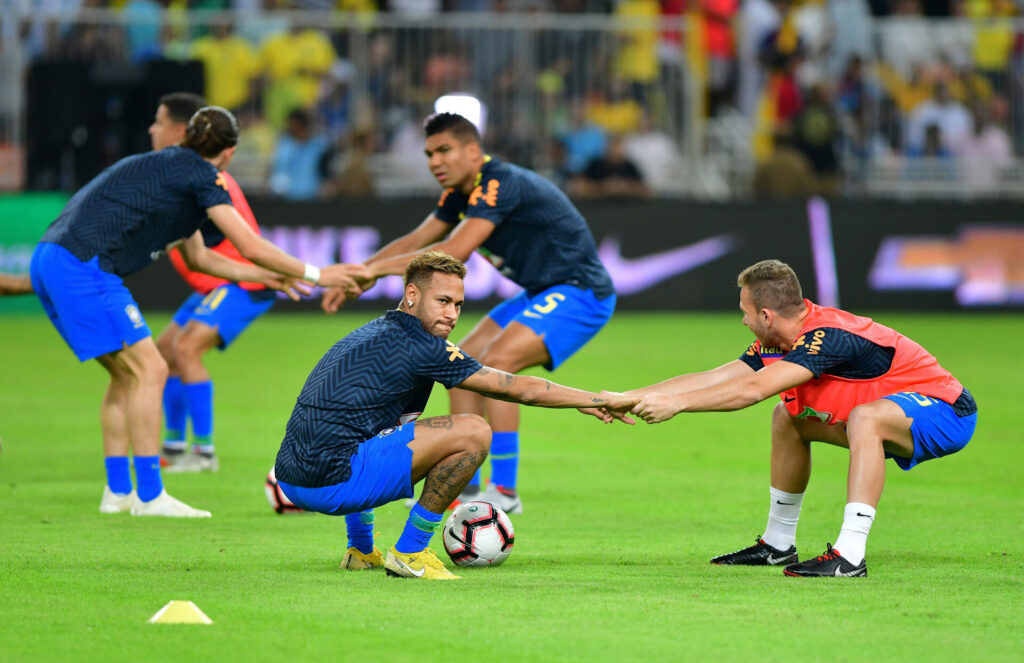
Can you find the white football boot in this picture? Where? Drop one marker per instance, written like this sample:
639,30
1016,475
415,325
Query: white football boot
116,502
510,504
192,462
165,505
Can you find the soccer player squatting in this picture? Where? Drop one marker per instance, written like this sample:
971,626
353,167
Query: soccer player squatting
530,231
353,441
844,380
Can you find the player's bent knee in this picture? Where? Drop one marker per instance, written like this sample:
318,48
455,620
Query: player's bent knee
157,370
865,422
781,418
475,430
186,351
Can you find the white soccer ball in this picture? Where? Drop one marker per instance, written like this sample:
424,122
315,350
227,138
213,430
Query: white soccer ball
478,534
278,500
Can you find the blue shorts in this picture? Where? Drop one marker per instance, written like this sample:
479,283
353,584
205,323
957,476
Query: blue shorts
381,473
564,316
92,309
229,309
937,430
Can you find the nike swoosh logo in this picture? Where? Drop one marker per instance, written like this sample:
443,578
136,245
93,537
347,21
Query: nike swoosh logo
632,275
864,515
408,568
789,503
788,399
773,560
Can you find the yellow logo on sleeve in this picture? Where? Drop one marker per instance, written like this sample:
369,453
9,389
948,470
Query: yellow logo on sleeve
454,352
221,182
491,197
814,345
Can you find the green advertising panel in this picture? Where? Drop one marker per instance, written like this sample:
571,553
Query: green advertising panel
23,218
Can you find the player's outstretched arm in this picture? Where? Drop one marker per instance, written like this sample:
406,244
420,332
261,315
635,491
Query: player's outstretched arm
465,239
430,231
201,259
681,384
265,254
529,390
15,285
702,380
735,394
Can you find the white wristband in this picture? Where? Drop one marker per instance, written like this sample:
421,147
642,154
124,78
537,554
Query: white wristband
312,274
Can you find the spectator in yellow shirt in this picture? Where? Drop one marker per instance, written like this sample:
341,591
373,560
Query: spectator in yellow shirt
230,65
295,62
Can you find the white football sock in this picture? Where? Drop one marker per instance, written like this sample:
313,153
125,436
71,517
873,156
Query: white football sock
853,537
780,532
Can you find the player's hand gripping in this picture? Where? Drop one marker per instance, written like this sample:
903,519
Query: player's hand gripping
334,297
295,288
617,406
655,408
345,275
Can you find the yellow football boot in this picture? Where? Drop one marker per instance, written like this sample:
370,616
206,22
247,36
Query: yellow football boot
354,560
423,564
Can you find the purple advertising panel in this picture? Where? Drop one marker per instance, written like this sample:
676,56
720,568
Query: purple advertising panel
666,255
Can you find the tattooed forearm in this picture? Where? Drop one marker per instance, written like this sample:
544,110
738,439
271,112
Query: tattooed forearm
447,479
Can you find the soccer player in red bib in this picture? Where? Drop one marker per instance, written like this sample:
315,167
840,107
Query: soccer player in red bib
844,380
213,316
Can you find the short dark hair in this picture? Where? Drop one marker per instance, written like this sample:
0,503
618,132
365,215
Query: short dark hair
211,130
458,126
422,268
301,116
772,284
181,106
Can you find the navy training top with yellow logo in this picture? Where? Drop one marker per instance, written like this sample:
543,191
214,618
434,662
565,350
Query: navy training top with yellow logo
128,214
377,377
540,239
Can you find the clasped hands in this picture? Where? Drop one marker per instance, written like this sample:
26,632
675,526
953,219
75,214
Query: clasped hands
653,408
344,281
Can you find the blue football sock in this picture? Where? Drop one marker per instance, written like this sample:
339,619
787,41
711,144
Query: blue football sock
118,478
200,408
147,476
418,529
360,531
504,459
175,412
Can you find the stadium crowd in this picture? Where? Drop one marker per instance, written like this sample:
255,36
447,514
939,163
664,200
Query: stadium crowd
828,94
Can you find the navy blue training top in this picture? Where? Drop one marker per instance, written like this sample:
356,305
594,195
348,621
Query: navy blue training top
129,214
377,377
540,239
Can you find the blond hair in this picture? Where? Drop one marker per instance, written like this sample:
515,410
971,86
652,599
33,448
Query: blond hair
772,284
423,267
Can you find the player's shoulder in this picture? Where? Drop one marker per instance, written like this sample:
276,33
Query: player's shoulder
495,168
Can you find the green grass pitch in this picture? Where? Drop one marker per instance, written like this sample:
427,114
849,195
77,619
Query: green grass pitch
611,558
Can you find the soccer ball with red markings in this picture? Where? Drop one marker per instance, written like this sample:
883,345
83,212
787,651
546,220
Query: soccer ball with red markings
478,534
278,500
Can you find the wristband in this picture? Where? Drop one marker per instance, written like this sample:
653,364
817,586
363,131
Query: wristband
312,274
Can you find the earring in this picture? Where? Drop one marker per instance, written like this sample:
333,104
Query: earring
409,301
